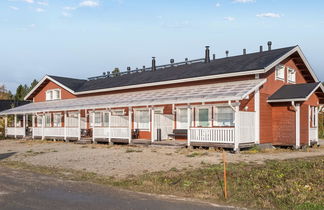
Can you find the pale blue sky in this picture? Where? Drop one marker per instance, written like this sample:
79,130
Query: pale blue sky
77,38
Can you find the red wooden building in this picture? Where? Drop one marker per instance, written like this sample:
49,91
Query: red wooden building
269,96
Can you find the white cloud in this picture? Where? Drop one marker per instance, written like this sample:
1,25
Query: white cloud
69,8
40,10
217,4
229,18
13,8
89,4
66,14
269,15
244,1
28,1
43,3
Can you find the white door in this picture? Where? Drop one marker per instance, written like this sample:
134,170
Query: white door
163,122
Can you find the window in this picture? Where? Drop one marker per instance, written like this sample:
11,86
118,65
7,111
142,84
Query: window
39,120
72,119
48,120
142,119
53,94
118,112
182,118
98,119
203,117
224,116
57,120
280,72
291,75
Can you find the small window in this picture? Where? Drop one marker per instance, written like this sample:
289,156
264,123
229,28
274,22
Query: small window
53,94
48,120
98,118
224,116
118,112
291,75
57,120
280,72
142,119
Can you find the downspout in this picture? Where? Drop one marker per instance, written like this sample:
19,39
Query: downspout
297,126
294,105
230,104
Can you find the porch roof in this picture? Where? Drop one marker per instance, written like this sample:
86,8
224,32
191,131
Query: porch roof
189,94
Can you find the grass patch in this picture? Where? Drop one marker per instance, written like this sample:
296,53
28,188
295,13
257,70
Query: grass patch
199,154
289,184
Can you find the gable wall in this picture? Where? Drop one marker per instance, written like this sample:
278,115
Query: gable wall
41,95
277,122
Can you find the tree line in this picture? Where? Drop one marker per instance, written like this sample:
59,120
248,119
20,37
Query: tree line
21,91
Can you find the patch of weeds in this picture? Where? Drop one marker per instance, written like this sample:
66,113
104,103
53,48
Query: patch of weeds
130,150
84,146
169,154
153,150
195,154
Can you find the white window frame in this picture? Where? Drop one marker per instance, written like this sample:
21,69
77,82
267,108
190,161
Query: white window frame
146,126
209,115
184,124
39,120
50,94
291,75
158,110
98,118
216,122
278,74
57,120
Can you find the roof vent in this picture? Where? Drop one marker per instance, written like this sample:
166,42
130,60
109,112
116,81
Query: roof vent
226,52
244,51
172,61
269,45
128,70
108,73
143,68
214,57
186,60
261,48
207,58
153,64
104,73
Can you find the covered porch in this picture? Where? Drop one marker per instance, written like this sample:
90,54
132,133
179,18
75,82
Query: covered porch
215,115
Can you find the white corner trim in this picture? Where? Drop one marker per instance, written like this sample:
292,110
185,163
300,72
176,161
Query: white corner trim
41,82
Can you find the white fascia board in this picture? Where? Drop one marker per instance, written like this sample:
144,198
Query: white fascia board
309,95
51,79
301,54
236,74
286,100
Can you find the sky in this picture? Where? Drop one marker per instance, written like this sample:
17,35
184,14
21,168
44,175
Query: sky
83,38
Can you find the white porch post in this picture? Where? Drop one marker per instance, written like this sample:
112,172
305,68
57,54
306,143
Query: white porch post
308,125
15,125
130,112
316,123
189,125
237,128
297,126
43,126
173,117
33,125
152,126
65,126
6,125
93,125
24,125
79,125
257,115
109,126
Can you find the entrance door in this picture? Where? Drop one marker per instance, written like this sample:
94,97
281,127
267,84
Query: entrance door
163,122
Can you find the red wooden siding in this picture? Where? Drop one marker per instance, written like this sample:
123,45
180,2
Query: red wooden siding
41,95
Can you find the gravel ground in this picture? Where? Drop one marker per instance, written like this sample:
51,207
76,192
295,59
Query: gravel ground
122,160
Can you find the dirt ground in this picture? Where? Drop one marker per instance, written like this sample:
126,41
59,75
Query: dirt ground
123,160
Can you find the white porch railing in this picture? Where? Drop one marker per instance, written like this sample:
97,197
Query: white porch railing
56,132
115,133
313,134
72,132
37,131
15,131
214,135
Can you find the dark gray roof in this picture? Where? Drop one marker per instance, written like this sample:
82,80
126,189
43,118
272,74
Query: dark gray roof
71,83
8,104
296,91
234,64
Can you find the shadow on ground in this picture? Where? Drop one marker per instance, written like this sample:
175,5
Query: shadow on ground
6,155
